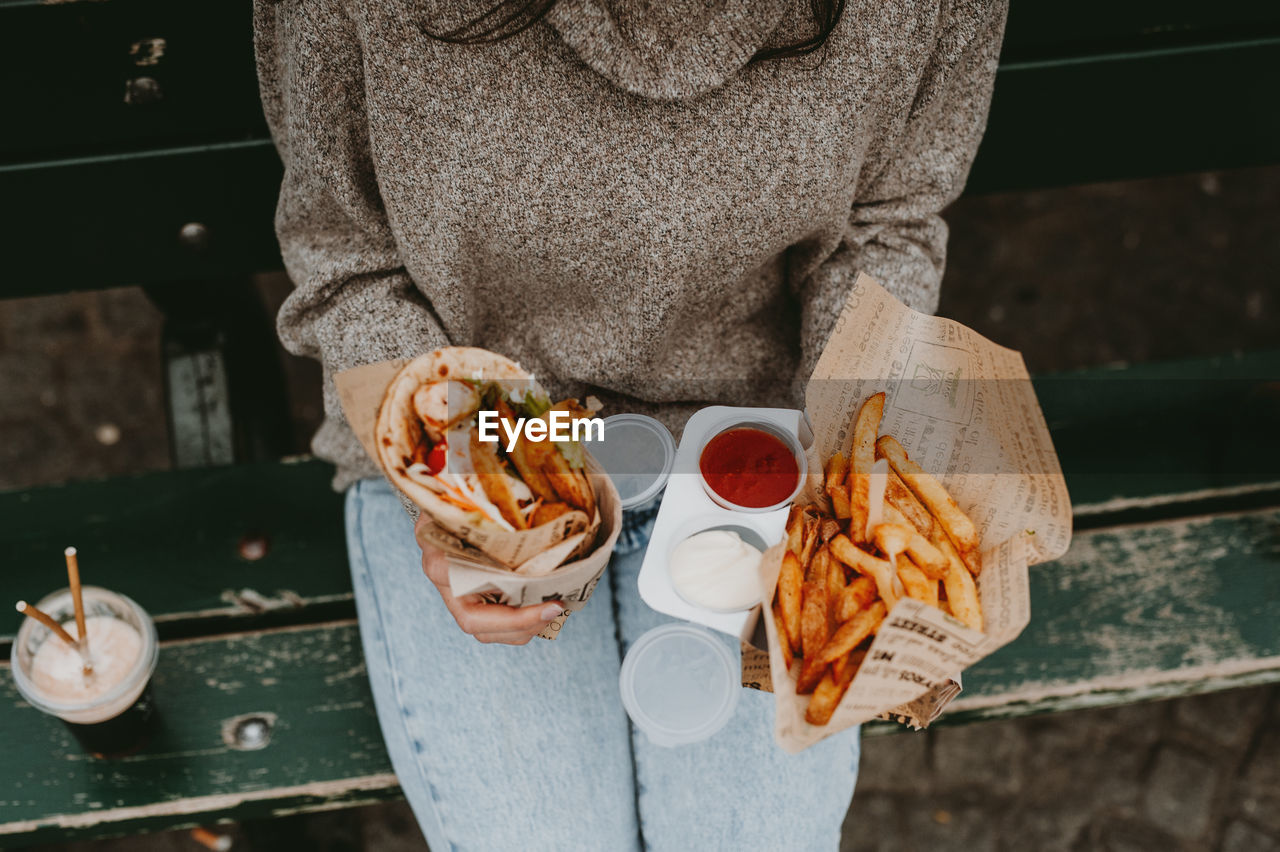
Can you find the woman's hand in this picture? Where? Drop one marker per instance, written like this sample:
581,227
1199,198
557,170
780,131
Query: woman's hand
487,622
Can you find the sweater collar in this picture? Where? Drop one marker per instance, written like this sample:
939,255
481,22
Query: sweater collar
666,50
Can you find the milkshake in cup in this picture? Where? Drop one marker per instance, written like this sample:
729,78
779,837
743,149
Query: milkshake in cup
109,711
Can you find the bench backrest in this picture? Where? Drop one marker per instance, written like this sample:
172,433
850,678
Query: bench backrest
126,122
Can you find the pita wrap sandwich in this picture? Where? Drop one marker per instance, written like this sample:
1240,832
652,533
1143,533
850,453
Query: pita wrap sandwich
428,443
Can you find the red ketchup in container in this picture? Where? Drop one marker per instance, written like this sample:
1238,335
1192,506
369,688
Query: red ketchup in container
749,467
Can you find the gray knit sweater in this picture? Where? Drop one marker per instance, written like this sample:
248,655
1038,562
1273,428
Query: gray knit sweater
615,198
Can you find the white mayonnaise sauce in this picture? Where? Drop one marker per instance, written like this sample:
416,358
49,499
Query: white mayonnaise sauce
717,570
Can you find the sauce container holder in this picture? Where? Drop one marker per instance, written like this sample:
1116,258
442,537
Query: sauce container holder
688,508
679,682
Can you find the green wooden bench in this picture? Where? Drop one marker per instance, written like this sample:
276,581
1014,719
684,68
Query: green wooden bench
1171,586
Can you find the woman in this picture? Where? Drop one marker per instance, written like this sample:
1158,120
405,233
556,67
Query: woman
663,204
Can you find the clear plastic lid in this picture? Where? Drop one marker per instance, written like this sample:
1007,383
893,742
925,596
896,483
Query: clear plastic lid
638,453
679,684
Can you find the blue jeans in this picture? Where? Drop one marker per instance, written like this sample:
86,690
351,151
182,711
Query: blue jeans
500,747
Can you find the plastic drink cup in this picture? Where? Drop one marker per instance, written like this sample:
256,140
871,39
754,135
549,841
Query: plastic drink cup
110,711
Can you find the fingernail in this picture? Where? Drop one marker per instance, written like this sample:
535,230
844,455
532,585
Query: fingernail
551,611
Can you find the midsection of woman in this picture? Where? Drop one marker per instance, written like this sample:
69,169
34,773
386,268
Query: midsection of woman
616,198
621,200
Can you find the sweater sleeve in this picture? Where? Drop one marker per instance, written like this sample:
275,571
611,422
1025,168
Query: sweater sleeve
895,232
353,301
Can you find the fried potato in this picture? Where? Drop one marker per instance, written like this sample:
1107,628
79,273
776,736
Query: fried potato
840,505
962,592
822,704
972,559
864,563
837,470
861,458
815,622
572,485
790,582
795,529
575,409
495,481
922,546
815,628
904,538
916,582
851,634
832,687
835,584
532,475
566,484
847,666
811,526
899,496
892,539
809,675
520,458
548,512
860,592
837,490
784,638
955,523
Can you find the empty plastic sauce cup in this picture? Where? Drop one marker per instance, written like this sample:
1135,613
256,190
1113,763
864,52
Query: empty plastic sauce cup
679,684
638,453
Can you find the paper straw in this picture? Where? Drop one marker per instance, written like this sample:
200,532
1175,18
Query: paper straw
211,841
73,577
45,619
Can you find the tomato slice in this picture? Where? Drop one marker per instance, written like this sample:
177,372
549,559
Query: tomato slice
436,458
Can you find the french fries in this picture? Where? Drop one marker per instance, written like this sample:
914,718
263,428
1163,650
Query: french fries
962,594
815,627
861,458
837,490
832,688
909,540
790,581
874,567
916,582
852,632
839,579
954,523
899,496
860,592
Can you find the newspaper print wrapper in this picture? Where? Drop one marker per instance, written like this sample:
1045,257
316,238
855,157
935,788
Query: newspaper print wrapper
556,561
965,410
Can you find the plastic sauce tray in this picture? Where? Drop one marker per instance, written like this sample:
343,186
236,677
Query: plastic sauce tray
687,509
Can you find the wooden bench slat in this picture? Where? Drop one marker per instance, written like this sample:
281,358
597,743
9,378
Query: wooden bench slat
68,66
129,209
1060,115
325,748
171,541
208,87
1142,612
1163,609
1130,115
1149,430
1041,30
